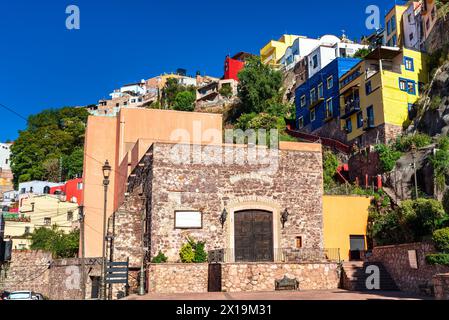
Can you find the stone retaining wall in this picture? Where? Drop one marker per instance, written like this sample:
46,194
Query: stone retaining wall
55,279
262,276
396,261
177,278
238,277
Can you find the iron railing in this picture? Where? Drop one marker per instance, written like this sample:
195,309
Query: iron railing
282,255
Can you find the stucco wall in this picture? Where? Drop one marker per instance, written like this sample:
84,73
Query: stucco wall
344,216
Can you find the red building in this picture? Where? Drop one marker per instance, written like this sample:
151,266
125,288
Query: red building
234,65
73,189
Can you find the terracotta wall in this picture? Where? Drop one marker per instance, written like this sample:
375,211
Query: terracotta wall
111,138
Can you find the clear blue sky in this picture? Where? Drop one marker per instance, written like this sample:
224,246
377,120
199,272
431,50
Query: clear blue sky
44,65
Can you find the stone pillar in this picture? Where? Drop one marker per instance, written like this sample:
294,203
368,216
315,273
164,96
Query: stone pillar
441,286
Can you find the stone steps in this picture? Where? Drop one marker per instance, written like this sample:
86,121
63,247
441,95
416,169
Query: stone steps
355,275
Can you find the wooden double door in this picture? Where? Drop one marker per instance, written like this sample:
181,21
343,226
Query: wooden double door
253,234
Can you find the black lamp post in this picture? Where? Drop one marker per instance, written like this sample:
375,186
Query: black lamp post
106,173
223,217
284,218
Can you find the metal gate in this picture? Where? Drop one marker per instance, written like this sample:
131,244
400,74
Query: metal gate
214,277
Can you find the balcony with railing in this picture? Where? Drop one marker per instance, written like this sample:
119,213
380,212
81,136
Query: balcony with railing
351,107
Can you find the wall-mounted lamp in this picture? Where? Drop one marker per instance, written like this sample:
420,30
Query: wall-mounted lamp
223,217
284,218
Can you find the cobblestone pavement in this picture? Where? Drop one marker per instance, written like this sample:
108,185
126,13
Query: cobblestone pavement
300,295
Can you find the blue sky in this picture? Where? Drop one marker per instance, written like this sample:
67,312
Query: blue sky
43,65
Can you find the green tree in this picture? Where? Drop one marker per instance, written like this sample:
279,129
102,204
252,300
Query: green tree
387,157
330,165
59,243
184,101
50,135
259,84
362,53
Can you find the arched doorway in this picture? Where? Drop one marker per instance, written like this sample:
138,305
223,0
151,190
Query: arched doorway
253,236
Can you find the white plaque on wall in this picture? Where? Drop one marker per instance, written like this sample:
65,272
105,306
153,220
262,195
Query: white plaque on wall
413,261
188,220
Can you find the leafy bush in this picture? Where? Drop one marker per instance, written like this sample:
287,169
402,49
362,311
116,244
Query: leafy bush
446,202
160,258
438,259
225,91
387,157
59,243
200,253
412,221
184,101
441,240
435,103
404,143
423,216
362,53
440,162
330,165
193,252
187,254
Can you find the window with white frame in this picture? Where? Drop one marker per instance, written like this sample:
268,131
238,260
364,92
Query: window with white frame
301,123
330,82
320,91
312,115
312,96
303,101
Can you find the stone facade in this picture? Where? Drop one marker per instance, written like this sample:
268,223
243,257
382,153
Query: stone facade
262,276
396,261
294,184
178,278
364,163
55,279
384,133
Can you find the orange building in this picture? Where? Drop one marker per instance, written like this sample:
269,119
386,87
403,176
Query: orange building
123,140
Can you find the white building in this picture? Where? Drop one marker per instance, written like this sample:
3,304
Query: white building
137,89
8,198
37,187
330,48
5,154
300,48
412,21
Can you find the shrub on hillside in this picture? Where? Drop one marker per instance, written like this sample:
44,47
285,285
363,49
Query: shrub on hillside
441,240
404,143
387,156
438,259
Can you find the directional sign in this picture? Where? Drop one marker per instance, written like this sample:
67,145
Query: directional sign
117,272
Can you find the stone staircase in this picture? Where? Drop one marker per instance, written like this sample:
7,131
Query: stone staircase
354,277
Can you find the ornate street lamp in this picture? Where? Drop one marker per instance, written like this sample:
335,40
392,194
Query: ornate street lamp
106,173
284,218
223,217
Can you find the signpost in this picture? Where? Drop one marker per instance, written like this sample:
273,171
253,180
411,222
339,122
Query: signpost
117,273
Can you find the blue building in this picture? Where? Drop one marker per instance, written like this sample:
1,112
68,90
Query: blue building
318,99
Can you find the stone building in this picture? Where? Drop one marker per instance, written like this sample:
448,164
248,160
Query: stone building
189,198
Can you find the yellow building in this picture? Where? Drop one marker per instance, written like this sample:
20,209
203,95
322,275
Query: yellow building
37,211
377,94
345,220
274,50
394,27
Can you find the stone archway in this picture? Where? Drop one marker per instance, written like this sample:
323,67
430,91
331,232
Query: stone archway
256,204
